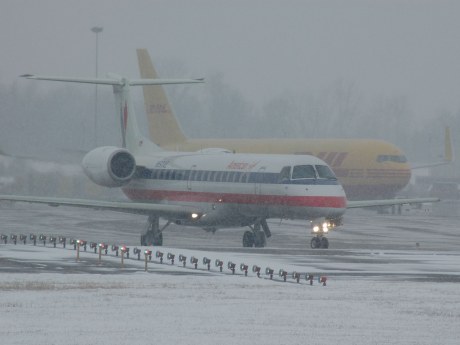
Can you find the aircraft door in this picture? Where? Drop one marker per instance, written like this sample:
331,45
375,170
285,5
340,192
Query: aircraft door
191,177
258,180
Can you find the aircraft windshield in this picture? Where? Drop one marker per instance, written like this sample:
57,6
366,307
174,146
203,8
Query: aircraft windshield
303,171
325,172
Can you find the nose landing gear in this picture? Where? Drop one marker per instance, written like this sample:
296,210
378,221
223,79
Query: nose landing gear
319,241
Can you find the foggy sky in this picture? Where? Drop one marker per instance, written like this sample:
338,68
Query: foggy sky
262,48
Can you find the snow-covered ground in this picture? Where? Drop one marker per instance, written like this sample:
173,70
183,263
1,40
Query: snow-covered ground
374,294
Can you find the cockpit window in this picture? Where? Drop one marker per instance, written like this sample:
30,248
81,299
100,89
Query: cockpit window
285,174
303,171
392,158
325,172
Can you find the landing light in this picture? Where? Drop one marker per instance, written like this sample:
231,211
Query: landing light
256,269
159,255
219,263
244,268
283,274
194,261
207,262
195,215
137,251
148,253
23,238
171,257
316,228
14,238
182,259
231,267
269,272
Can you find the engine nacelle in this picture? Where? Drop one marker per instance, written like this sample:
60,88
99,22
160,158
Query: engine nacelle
109,166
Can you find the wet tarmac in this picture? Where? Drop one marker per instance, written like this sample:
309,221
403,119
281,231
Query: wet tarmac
412,247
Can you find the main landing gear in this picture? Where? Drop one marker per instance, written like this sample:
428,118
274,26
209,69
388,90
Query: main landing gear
257,237
154,234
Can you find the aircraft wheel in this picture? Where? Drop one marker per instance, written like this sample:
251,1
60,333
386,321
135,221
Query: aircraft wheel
315,242
324,243
259,239
151,239
158,240
248,239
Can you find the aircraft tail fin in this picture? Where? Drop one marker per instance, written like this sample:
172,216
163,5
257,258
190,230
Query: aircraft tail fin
163,126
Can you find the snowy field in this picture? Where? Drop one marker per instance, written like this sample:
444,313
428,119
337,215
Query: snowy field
381,288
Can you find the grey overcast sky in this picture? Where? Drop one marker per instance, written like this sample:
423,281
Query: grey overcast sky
261,47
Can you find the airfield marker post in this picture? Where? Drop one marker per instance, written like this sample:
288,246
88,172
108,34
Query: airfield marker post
78,249
23,238
256,269
124,250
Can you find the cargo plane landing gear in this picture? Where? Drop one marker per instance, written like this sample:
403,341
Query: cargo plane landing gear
257,237
154,234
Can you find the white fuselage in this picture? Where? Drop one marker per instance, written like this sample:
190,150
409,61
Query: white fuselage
235,189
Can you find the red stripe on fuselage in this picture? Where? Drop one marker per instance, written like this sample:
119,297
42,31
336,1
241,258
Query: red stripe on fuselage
281,200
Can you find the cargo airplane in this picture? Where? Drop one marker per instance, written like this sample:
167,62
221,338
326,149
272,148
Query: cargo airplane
367,168
210,189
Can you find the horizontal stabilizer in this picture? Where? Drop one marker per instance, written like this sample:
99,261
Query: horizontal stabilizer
115,81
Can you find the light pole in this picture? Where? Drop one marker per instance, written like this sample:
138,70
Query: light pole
97,30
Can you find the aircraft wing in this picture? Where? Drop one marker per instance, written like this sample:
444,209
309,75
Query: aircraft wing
388,202
164,210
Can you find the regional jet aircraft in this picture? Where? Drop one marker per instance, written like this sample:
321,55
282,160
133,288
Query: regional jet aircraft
210,189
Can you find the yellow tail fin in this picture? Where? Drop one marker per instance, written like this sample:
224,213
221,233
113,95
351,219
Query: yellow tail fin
163,127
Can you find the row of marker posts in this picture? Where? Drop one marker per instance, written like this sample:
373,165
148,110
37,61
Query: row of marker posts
243,267
159,255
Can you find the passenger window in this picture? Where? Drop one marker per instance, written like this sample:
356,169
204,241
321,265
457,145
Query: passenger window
212,176
237,177
244,177
303,171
